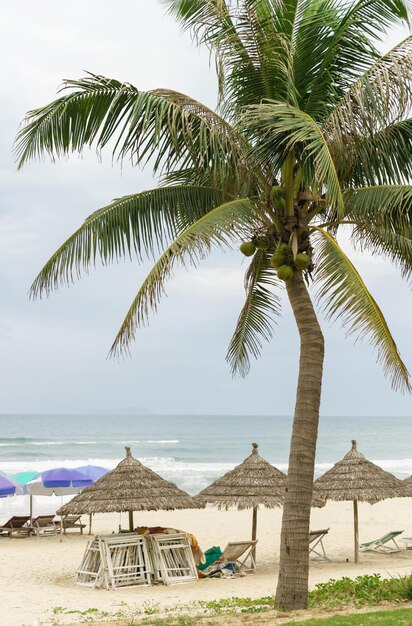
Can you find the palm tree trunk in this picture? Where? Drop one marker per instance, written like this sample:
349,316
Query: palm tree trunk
292,589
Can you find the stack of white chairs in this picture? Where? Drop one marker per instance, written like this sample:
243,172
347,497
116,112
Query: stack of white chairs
113,561
172,558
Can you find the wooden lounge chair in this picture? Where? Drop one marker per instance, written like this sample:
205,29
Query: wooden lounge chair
16,526
379,545
316,546
43,525
72,521
241,553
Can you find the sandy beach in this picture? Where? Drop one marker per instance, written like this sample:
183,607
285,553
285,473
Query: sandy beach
38,573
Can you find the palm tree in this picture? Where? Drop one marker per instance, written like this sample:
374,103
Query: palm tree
311,137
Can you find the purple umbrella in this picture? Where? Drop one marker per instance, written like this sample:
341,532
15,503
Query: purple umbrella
9,487
64,477
92,472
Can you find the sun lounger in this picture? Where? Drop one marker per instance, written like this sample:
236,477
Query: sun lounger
316,547
43,525
241,553
72,522
379,545
16,526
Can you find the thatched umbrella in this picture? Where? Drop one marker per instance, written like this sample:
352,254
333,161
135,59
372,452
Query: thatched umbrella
357,479
130,486
408,482
253,482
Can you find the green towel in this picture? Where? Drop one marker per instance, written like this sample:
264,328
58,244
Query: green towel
211,555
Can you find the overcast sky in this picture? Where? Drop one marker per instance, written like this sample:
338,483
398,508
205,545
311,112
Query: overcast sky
53,352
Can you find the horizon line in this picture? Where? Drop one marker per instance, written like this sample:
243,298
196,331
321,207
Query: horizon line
112,413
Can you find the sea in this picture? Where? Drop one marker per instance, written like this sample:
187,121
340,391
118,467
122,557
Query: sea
190,450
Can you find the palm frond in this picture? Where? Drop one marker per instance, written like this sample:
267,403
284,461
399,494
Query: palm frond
218,228
382,158
167,125
378,99
140,224
383,242
256,319
251,44
383,222
389,206
265,29
346,298
328,59
279,129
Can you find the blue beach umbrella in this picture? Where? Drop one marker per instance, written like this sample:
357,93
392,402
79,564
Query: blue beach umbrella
64,477
59,481
91,472
9,487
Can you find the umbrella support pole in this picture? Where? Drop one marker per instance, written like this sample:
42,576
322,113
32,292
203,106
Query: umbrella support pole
131,525
90,523
356,529
254,530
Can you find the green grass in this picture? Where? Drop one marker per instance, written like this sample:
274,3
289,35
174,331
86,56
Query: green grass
400,617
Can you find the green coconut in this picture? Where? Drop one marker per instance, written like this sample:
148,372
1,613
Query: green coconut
279,203
248,248
302,261
277,259
285,272
277,191
286,252
285,249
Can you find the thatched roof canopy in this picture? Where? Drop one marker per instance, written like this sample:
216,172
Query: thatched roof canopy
356,478
253,482
129,487
407,483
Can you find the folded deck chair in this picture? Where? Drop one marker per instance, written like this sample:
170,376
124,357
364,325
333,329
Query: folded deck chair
16,526
379,545
43,525
316,547
72,521
241,553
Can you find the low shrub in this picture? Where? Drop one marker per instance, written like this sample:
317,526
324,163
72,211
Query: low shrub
362,590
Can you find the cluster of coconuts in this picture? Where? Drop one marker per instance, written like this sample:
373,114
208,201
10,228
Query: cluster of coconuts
278,198
282,260
285,264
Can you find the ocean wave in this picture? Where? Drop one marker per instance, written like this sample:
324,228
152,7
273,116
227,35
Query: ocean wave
161,441
188,475
158,464
172,463
144,441
19,441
